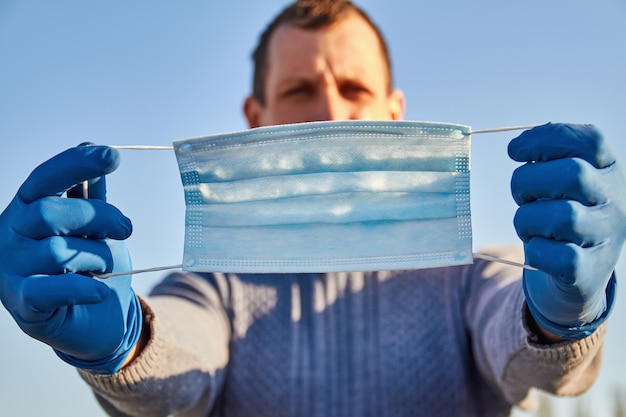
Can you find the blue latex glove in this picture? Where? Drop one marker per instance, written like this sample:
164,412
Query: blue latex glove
48,242
572,220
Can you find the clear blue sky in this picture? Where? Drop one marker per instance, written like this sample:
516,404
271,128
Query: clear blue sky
149,72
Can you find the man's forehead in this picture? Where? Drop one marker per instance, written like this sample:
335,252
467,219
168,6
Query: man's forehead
349,37
350,26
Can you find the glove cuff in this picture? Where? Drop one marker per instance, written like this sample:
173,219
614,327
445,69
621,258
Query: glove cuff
112,363
577,332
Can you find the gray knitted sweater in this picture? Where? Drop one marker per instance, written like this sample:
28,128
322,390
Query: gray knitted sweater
437,342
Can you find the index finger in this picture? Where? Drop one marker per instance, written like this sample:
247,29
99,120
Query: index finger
67,169
558,140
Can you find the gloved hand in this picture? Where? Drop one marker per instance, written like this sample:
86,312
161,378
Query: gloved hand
47,245
572,220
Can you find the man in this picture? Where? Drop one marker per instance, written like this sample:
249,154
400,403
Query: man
342,72
456,341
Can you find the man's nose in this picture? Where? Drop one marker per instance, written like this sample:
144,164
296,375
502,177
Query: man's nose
333,106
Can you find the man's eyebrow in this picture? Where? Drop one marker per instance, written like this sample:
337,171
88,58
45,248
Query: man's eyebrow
296,80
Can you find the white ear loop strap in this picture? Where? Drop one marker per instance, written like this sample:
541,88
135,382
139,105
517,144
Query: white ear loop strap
143,147
179,266
136,271
169,148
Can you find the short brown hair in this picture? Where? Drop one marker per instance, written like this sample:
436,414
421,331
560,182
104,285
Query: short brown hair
311,15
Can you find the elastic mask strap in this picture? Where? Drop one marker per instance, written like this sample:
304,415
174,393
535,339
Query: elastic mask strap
502,261
136,271
503,129
143,147
179,266
170,148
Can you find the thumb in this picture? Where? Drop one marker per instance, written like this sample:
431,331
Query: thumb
93,188
44,293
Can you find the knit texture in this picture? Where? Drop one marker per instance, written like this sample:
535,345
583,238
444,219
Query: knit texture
436,342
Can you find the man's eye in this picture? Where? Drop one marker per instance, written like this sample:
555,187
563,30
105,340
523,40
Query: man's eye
297,91
354,90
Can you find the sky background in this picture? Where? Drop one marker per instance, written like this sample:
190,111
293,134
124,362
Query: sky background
149,72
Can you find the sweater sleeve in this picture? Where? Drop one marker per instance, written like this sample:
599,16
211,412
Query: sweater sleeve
182,367
506,350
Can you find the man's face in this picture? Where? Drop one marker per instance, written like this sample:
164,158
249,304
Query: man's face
334,73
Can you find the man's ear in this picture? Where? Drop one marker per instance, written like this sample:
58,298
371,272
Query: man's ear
252,110
396,105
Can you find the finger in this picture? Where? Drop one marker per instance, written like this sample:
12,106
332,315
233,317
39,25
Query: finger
57,255
52,216
65,170
47,293
94,189
557,259
562,220
556,140
571,264
571,179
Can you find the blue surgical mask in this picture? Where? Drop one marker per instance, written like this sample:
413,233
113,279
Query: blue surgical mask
327,196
